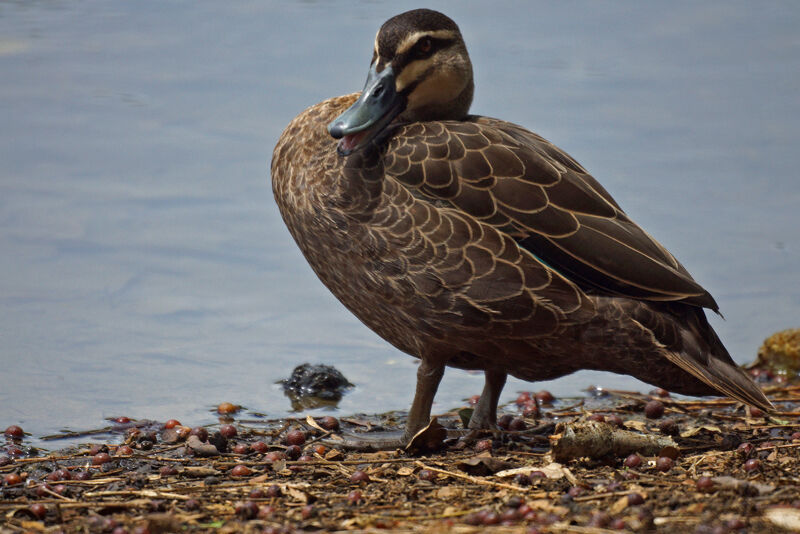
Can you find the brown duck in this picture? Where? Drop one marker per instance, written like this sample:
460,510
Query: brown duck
472,242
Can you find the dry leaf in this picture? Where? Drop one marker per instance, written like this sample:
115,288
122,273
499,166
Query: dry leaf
788,518
449,492
429,438
697,429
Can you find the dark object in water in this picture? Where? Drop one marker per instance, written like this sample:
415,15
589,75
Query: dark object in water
311,386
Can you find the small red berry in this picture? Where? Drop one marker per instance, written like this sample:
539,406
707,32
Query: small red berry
172,423
654,409
226,408
14,431
295,437
359,476
228,431
664,463
101,458
240,471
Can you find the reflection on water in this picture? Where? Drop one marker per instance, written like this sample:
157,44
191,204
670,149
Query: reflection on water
145,271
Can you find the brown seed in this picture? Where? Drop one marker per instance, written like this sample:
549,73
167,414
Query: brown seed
120,530
228,431
354,497
97,448
275,456
753,464
256,493
38,510
618,524
240,471
756,412
795,436
14,451
200,432
168,471
517,424
669,427
509,515
226,408
124,450
305,458
259,447
537,475
483,445
664,463
81,475
5,460
597,417
523,398
295,437
654,409
12,479
59,474
140,529
545,397
172,423
320,449
660,392
241,448
705,484
329,423
575,491
191,504
101,458
266,511
746,448
491,518
614,419
427,475
515,501
635,499
14,431
246,509
307,511
359,476
473,400
530,409
600,520
273,491
520,479
122,420
504,421
634,460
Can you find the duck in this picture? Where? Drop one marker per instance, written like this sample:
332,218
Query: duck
471,242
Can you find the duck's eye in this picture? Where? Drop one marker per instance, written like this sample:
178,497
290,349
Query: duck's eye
423,46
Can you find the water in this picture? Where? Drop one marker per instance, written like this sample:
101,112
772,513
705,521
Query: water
145,271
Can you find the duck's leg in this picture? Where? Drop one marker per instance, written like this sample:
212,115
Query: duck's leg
429,374
485,414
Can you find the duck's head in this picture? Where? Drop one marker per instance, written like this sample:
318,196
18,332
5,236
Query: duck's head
420,71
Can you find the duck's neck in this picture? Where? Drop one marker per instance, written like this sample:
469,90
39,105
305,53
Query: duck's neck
456,109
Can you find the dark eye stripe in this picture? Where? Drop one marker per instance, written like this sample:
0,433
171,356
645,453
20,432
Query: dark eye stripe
414,53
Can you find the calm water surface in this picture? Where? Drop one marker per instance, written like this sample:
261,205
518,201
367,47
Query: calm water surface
144,268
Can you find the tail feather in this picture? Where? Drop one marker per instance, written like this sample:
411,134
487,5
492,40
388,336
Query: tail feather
725,378
689,341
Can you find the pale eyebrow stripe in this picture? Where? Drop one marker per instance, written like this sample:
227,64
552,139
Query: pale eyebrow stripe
412,38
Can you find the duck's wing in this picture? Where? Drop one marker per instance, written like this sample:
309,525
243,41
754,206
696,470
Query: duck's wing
503,175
